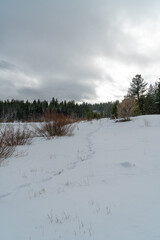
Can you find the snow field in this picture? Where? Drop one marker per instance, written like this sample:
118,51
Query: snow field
102,183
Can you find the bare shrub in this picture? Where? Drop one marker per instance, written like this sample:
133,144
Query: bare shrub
146,123
126,108
54,125
5,150
17,136
10,138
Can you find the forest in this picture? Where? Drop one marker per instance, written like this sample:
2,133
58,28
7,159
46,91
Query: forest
16,110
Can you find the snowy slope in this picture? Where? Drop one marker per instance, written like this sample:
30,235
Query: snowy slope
102,183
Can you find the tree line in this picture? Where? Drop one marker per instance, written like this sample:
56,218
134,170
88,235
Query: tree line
19,110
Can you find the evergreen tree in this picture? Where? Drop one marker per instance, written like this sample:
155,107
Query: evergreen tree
157,97
138,87
137,90
115,109
150,100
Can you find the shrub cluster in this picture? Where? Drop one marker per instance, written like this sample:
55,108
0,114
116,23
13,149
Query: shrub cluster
54,125
10,138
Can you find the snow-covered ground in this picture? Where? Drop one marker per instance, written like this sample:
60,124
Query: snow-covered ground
103,183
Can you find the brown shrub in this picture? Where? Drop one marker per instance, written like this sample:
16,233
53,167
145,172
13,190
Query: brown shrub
126,108
54,125
10,138
5,150
19,136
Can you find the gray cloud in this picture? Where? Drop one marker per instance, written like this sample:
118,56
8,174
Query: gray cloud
56,45
4,65
60,90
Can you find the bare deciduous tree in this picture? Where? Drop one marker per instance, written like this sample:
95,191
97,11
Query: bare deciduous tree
126,108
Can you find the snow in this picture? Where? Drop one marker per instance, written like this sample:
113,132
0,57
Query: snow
102,183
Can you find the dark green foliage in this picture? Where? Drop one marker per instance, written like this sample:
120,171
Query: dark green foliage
137,110
157,97
138,87
115,109
141,104
103,109
152,99
137,90
16,110
150,106
148,103
90,115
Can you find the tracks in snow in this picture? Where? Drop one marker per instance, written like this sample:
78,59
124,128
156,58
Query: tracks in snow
87,155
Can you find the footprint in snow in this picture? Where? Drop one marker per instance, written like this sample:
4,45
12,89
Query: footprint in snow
24,185
4,195
46,179
127,164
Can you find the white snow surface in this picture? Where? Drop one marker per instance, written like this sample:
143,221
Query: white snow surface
103,183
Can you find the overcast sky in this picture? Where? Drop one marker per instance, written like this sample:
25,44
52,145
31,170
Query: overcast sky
83,50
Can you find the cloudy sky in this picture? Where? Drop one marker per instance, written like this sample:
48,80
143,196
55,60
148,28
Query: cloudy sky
83,50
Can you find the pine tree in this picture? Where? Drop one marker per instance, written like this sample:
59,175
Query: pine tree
137,90
157,102
150,107
115,109
138,87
